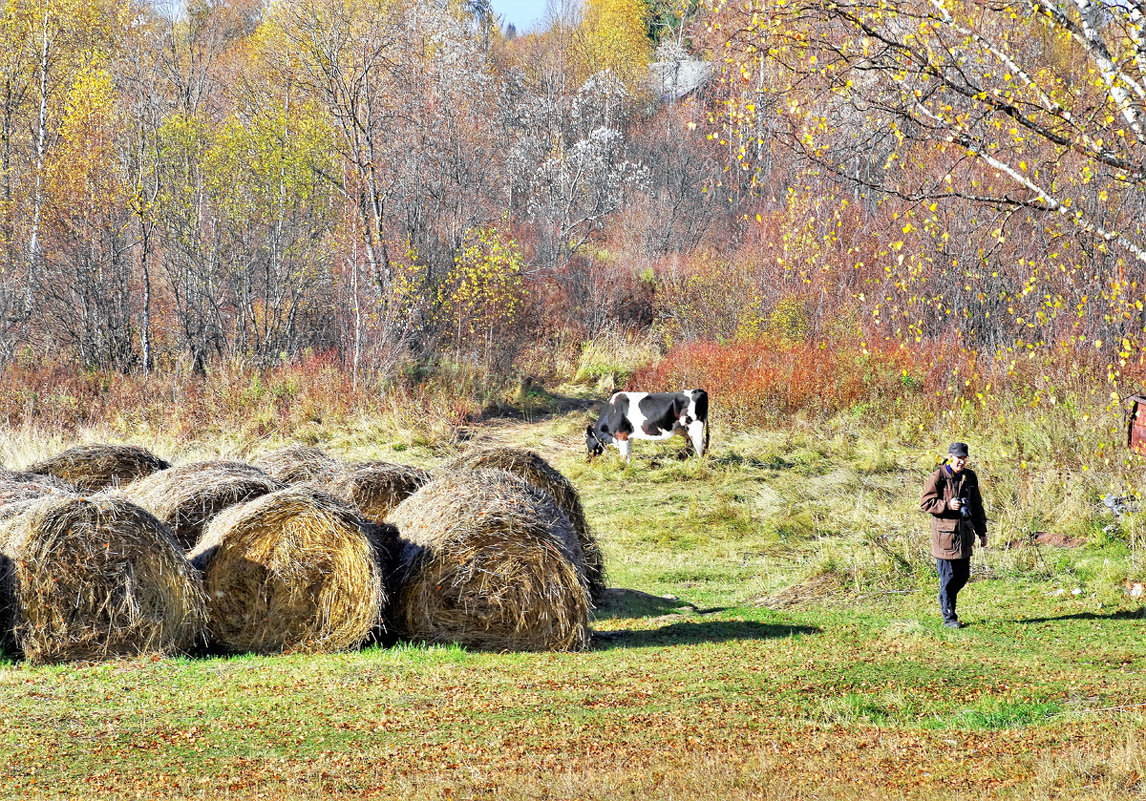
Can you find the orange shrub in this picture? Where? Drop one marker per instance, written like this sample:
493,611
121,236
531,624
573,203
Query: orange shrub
763,382
767,381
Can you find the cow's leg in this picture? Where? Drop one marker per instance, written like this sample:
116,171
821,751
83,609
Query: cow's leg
696,434
625,447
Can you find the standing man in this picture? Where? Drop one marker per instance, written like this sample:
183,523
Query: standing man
951,496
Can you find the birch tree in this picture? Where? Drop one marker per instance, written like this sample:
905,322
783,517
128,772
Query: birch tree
45,42
342,53
88,295
1031,90
1028,116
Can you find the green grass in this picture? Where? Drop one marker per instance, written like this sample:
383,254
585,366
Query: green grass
995,715
771,633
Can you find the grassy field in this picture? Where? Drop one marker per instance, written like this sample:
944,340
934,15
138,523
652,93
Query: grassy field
772,633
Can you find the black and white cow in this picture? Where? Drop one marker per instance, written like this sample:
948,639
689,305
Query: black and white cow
649,415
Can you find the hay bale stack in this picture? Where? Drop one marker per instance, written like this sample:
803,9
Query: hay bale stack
93,578
489,561
295,570
530,466
376,488
298,464
18,486
186,497
92,468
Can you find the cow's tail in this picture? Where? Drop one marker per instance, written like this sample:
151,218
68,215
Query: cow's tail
707,429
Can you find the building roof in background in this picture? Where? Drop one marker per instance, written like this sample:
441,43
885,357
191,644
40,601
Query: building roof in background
672,80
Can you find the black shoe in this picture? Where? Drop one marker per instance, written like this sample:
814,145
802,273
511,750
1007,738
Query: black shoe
952,623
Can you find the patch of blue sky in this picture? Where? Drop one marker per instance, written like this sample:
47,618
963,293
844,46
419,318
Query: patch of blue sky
525,15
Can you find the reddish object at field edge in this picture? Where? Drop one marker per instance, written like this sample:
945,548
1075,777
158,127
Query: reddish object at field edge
1136,425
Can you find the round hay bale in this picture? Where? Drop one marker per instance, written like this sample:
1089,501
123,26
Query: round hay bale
297,464
295,570
533,468
97,577
18,486
186,497
376,488
92,468
488,561
231,465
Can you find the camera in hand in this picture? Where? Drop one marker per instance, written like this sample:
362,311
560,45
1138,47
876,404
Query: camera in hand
964,507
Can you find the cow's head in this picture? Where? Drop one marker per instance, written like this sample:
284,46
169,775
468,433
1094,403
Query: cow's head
595,441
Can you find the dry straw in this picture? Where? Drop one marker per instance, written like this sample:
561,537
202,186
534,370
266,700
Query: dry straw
376,488
297,464
96,467
94,578
17,508
530,466
295,570
489,561
17,486
186,497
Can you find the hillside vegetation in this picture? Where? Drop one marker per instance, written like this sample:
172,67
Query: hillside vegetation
401,188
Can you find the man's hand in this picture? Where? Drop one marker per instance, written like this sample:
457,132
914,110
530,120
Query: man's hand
983,542
953,504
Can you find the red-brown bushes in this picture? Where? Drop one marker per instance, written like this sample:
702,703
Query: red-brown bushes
764,381
759,382
587,296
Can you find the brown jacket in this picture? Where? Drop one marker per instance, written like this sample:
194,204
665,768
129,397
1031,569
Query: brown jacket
952,535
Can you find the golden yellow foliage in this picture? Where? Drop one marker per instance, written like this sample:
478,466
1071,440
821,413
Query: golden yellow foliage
83,164
485,290
614,36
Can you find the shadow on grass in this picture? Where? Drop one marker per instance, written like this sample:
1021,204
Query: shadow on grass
1135,614
734,459
690,633
621,602
543,405
7,610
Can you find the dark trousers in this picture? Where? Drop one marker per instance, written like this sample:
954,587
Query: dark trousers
953,575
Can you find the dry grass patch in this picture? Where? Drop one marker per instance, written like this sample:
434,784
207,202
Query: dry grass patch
1113,772
811,590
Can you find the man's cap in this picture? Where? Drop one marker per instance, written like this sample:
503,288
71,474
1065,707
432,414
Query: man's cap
958,449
